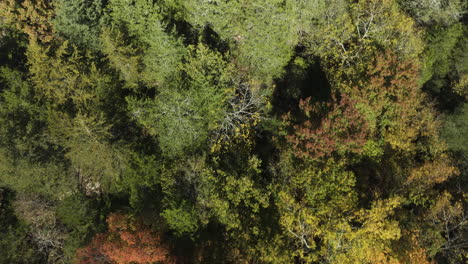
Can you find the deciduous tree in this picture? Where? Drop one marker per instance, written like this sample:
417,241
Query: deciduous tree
127,241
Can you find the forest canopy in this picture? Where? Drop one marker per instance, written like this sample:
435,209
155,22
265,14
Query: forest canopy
233,131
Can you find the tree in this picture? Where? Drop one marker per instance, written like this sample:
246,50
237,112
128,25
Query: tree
182,116
370,242
392,103
445,65
60,76
30,162
79,215
429,12
139,46
173,112
32,17
127,241
15,244
455,129
47,233
329,128
319,211
348,37
312,201
261,33
447,216
440,44
22,116
80,21
95,163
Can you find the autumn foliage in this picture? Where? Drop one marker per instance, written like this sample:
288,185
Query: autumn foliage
127,241
392,102
33,17
332,127
242,131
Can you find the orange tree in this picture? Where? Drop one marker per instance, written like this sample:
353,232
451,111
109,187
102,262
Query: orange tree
127,241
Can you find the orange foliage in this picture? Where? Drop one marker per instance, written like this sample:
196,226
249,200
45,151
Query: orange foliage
332,127
411,251
127,241
92,254
393,103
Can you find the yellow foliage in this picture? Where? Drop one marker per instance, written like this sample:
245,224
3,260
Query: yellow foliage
59,77
243,134
33,17
352,38
371,243
432,172
461,87
417,254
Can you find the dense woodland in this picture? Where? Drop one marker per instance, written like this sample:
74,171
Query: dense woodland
242,131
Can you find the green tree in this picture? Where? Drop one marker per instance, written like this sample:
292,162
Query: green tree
30,160
14,244
438,53
182,116
95,163
22,116
140,46
445,65
58,75
262,34
455,130
80,21
427,12
80,216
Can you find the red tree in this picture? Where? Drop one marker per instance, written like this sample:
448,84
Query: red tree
127,241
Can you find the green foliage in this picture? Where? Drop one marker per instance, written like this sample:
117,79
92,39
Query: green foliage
319,211
455,130
142,172
12,45
347,37
22,116
308,198
244,131
445,65
78,214
94,161
429,12
80,21
49,179
14,245
59,77
29,159
373,150
183,115
139,47
262,33
181,219
441,42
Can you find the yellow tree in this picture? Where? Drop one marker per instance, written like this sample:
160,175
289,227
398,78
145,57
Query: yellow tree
33,17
